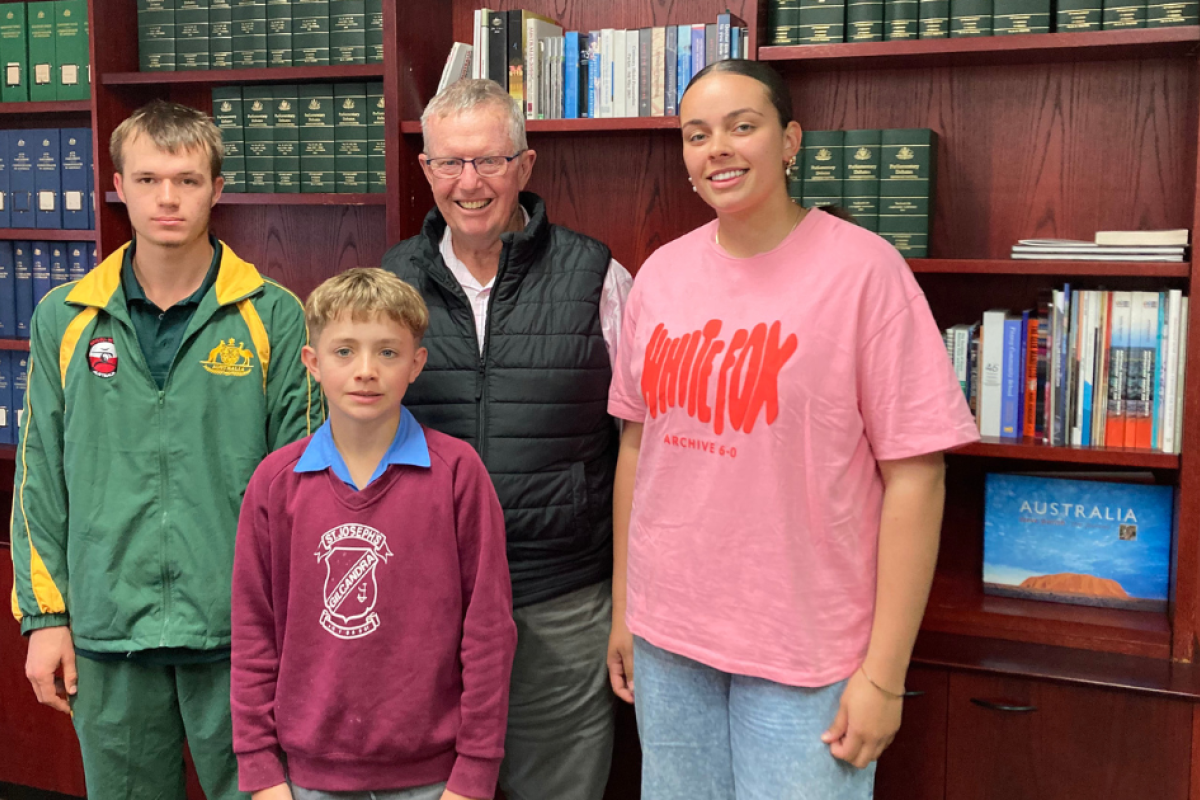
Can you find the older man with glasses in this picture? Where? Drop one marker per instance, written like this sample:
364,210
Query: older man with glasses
524,324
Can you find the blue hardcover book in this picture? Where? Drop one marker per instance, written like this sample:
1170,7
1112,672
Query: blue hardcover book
8,420
1013,373
40,258
571,75
78,260
20,381
23,281
21,180
671,89
95,256
1095,543
698,62
8,293
683,71
74,157
735,42
47,179
58,264
594,74
91,195
5,199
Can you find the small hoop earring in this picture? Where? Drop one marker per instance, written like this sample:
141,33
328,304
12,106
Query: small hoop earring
790,169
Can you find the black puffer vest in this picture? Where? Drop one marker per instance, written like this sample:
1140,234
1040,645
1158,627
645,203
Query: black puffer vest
534,405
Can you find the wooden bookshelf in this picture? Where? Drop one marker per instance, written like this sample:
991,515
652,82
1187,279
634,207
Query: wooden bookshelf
580,125
45,235
14,344
1033,450
45,109
288,199
225,77
1049,268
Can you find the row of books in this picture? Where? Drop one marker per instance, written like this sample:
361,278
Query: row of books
884,178
245,34
1079,250
797,22
29,270
1085,368
44,51
312,138
593,74
14,377
46,179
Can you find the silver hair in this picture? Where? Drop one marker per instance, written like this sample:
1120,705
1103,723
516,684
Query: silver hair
468,94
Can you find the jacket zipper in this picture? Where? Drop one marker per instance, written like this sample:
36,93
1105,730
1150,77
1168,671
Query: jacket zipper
162,488
481,372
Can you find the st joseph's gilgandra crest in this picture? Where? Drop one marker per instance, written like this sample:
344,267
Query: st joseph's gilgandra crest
351,554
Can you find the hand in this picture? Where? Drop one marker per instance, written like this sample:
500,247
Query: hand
49,649
866,722
620,658
446,795
280,791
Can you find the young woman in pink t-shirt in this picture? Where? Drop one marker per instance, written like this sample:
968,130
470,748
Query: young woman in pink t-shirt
779,492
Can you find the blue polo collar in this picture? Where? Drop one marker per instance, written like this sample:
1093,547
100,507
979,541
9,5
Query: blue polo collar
408,447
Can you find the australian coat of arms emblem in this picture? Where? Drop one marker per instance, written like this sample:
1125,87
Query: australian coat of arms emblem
351,554
229,359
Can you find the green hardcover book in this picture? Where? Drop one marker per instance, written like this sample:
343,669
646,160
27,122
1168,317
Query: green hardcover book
220,34
906,189
822,21
1165,15
227,114
772,30
43,61
901,19
970,18
1077,16
71,47
860,190
824,168
934,19
310,33
249,34
350,136
318,168
376,145
1118,14
286,124
156,35
192,47
258,103
280,39
1020,16
374,31
347,31
864,21
14,53
789,22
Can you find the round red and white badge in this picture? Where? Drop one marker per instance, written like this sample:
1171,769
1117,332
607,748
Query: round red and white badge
102,357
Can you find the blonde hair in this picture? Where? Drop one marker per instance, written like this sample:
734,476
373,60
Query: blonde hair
366,293
172,127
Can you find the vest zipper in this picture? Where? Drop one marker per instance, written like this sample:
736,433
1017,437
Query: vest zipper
481,373
162,489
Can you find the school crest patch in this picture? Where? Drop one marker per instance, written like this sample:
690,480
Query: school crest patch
351,554
102,357
228,358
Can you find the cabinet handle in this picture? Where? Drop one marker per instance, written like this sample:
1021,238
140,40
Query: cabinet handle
1003,705
913,693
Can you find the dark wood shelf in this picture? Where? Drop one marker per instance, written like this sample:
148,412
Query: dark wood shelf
1063,664
961,607
14,344
581,125
1032,450
8,452
55,235
1021,49
1010,266
323,199
232,76
59,107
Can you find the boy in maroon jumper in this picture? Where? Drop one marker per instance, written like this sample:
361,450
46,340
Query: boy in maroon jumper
373,634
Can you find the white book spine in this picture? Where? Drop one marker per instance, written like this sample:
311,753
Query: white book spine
620,74
606,72
1170,442
991,372
633,75
477,39
1181,372
962,344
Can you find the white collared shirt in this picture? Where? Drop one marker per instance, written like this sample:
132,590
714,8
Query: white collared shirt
613,294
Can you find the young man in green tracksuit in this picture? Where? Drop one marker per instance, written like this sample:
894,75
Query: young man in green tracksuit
156,385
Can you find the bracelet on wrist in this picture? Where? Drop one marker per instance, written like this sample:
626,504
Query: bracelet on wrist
887,692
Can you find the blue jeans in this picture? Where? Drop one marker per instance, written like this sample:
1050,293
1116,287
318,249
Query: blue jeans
712,735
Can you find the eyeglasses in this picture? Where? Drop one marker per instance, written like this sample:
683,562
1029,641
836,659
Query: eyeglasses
485,166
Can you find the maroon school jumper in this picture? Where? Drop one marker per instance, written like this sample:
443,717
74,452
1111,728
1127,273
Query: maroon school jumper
373,635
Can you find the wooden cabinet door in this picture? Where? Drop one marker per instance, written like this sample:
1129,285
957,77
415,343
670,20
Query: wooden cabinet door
1016,739
914,766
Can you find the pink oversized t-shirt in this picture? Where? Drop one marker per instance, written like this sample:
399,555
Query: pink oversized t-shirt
769,387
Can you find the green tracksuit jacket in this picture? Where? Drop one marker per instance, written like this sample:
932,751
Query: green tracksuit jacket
126,498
